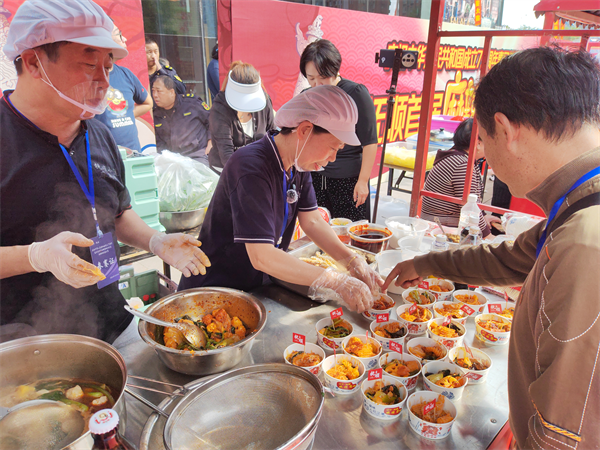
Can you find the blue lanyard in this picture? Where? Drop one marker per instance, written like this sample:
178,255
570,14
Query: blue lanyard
591,174
89,193
285,215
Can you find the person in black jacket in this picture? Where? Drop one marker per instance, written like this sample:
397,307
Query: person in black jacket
242,113
156,69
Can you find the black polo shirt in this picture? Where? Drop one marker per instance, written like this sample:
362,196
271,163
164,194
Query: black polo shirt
183,128
248,207
39,198
171,73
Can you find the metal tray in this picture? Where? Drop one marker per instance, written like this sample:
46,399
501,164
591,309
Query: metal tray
306,251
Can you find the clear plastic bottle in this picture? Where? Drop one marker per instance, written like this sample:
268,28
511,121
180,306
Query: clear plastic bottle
104,427
473,238
440,244
473,222
469,208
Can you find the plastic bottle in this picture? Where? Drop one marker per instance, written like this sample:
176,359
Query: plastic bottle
104,428
440,244
469,208
473,238
473,222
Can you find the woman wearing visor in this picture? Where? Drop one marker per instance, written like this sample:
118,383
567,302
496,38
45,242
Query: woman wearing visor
241,113
265,186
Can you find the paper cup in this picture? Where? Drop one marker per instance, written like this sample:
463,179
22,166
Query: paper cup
441,296
429,306
385,342
384,412
435,367
411,381
342,386
425,342
329,343
414,328
370,362
308,348
440,306
475,376
491,337
429,430
371,314
482,299
448,342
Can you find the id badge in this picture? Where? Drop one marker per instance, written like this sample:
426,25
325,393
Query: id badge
105,258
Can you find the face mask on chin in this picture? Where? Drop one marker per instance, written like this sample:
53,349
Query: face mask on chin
296,164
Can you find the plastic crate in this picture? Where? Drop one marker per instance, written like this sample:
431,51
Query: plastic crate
149,285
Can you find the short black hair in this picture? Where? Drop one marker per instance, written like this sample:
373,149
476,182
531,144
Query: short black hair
316,129
549,89
324,56
51,51
149,40
167,81
462,135
215,52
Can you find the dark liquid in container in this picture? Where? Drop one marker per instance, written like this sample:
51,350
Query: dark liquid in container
373,247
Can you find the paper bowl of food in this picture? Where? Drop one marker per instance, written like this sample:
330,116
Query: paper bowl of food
492,329
426,350
340,221
402,367
343,373
416,319
383,305
385,398
449,335
330,334
444,378
452,309
418,296
430,424
503,309
440,288
474,300
390,331
309,357
477,364
367,352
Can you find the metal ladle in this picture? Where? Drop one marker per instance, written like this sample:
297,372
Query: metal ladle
191,333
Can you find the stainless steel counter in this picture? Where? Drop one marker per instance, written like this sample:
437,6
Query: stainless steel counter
482,411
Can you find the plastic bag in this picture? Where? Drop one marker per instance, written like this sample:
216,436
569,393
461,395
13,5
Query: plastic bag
515,223
183,183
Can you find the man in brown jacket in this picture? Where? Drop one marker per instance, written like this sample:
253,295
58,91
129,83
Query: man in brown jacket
539,117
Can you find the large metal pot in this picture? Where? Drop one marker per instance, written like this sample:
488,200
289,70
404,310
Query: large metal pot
181,220
196,303
34,358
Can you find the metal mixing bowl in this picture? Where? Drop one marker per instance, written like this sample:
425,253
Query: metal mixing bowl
182,220
197,303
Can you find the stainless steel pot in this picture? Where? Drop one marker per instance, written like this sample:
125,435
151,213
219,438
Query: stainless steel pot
181,220
34,358
196,303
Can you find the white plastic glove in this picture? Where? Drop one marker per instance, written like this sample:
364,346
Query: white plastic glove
180,251
55,255
334,285
358,268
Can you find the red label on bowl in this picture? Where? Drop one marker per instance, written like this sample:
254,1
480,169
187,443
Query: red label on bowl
473,376
396,347
375,374
429,407
447,321
329,343
413,309
336,313
467,309
424,284
412,328
495,309
298,338
383,317
412,383
489,336
392,411
346,386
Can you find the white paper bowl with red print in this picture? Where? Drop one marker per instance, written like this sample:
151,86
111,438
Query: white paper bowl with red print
384,412
370,362
329,343
439,312
385,342
423,428
448,342
308,348
492,337
342,386
446,286
408,298
411,346
448,392
409,381
478,304
475,376
414,328
499,308
385,300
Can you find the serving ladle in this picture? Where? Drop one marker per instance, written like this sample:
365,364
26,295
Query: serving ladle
191,333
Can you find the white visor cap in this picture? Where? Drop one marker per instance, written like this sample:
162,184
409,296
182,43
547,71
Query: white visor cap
245,97
39,22
326,106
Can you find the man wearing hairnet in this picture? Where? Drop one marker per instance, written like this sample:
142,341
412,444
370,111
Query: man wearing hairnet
265,186
62,185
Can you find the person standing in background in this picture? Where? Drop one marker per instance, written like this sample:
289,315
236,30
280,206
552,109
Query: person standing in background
343,186
127,99
156,69
212,73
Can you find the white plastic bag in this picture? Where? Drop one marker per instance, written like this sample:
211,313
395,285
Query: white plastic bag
183,183
515,223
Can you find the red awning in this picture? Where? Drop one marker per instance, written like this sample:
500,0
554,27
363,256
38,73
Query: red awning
584,12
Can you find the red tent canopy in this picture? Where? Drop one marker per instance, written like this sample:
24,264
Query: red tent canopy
583,12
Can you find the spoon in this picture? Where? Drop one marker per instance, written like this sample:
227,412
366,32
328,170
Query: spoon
191,333
439,224
5,411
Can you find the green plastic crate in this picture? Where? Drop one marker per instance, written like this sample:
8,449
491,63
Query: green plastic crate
149,285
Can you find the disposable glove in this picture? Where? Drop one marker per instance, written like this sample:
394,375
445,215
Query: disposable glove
55,255
334,285
358,268
180,251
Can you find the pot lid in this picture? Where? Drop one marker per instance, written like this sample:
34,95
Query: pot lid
441,135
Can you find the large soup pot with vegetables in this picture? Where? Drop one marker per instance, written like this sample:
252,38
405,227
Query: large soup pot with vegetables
85,373
230,320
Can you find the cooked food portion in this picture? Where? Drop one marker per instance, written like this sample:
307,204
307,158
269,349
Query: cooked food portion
431,353
384,395
344,370
219,327
322,259
495,325
471,363
436,415
455,238
449,331
402,369
391,330
302,359
420,315
469,299
446,378
356,347
339,329
439,288
450,309
420,297
508,313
